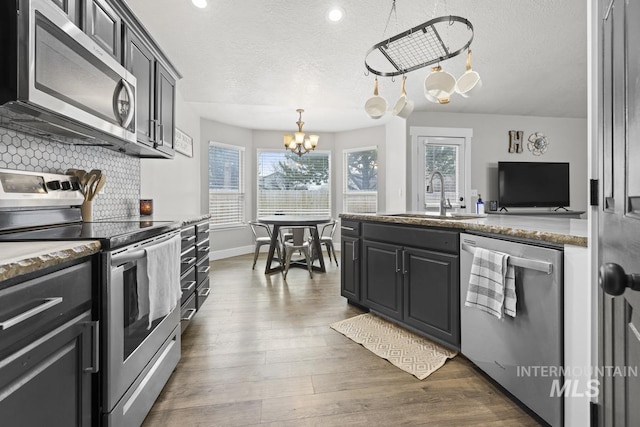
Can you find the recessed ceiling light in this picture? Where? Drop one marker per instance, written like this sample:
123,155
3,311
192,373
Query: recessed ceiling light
335,14
199,3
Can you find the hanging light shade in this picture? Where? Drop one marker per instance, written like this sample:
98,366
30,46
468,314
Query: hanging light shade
299,143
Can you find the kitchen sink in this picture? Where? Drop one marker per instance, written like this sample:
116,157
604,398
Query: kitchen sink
449,216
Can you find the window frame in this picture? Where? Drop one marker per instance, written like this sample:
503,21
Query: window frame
418,170
345,190
241,192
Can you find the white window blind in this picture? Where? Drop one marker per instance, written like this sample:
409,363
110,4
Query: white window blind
226,187
293,185
360,177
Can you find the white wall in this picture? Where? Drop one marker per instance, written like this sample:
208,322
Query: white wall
490,143
239,240
397,146
174,185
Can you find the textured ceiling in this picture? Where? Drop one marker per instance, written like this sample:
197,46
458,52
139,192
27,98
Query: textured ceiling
251,63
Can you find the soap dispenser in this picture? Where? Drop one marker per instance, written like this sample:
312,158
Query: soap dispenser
480,205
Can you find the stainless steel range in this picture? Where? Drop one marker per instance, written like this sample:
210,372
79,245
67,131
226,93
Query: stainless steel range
138,352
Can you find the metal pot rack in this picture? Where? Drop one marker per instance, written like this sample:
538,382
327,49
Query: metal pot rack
419,46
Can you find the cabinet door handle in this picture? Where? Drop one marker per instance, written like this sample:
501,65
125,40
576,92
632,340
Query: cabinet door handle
344,227
204,270
95,356
397,261
404,263
354,258
204,293
46,304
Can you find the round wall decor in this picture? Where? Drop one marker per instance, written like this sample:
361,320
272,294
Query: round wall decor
537,143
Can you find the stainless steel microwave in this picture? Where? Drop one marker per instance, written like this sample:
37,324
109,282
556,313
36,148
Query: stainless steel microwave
56,82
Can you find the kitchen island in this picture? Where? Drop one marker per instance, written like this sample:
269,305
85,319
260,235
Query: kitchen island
406,267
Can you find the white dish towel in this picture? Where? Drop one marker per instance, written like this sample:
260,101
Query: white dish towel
158,279
492,284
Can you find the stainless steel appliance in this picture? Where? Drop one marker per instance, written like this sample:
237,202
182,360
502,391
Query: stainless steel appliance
56,82
523,354
136,360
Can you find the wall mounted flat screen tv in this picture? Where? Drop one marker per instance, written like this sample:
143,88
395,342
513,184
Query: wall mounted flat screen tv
533,184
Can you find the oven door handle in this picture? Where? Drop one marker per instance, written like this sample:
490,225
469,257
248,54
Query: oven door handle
132,255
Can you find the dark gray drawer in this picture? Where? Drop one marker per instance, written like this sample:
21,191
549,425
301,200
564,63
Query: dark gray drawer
426,238
187,259
202,293
202,250
188,283
187,237
187,311
33,306
349,227
202,270
202,231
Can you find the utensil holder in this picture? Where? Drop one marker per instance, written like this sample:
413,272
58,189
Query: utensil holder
86,209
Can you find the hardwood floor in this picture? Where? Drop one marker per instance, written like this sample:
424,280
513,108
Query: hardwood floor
260,352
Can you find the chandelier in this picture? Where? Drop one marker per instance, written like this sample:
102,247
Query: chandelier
297,142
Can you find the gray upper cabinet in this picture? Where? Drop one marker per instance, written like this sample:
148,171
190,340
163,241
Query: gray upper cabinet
165,109
141,63
155,120
72,9
104,26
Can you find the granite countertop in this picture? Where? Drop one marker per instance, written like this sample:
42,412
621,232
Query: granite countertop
560,230
17,258
183,219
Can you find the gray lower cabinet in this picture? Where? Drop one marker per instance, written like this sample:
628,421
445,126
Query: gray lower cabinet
431,293
48,349
194,276
407,274
382,278
350,268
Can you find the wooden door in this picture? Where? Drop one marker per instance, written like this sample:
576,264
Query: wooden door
619,217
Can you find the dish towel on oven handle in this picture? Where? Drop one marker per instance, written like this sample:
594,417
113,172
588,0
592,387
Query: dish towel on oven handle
158,278
492,283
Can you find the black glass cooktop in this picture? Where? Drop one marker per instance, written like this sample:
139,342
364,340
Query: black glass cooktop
112,234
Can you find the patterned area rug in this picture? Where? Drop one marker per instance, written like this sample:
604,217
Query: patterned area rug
406,350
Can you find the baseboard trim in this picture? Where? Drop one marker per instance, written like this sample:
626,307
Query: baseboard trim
228,253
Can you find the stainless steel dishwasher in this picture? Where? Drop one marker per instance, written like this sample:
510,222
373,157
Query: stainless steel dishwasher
523,354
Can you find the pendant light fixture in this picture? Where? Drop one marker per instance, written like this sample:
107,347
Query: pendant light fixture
298,142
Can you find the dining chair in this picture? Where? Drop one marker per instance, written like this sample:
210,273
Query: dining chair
259,230
327,239
299,242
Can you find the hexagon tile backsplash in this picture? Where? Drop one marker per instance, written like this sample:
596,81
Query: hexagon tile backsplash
121,193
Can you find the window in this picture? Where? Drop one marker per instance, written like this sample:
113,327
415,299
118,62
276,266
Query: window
293,185
226,186
448,151
360,177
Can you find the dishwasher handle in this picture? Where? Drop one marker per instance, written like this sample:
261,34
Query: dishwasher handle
532,264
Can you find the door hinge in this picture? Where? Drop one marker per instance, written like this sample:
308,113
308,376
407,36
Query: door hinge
593,192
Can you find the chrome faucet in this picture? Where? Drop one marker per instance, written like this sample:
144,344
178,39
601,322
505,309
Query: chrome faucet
444,203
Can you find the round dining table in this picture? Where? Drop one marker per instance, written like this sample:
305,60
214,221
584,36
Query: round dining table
279,221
